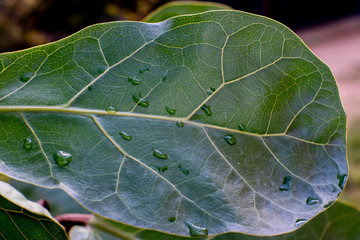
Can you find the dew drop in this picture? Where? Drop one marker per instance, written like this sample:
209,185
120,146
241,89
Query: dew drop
62,158
164,79
286,184
90,88
159,154
111,110
311,201
171,111
196,231
342,180
180,124
162,169
241,127
210,90
125,136
144,69
299,222
138,99
101,70
328,204
26,77
207,110
184,170
134,80
28,144
172,219
230,139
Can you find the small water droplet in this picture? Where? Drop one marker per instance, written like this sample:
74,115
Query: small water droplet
144,69
26,77
28,144
230,139
299,222
184,170
90,88
162,169
311,201
138,99
196,231
159,154
171,111
134,80
164,79
172,219
207,110
342,180
328,204
180,124
62,158
286,184
210,90
101,70
241,127
111,110
125,136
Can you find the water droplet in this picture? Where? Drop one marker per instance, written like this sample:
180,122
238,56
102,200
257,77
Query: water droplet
125,136
241,127
162,169
299,222
286,184
328,204
26,77
134,80
159,154
184,170
171,111
342,180
138,99
90,88
230,139
311,201
210,90
144,69
62,158
196,231
180,124
101,70
28,144
111,110
207,110
172,219
164,79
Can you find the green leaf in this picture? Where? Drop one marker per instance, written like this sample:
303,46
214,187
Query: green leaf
268,91
23,219
338,222
177,8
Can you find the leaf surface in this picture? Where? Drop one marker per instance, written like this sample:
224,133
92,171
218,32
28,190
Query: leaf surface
23,219
224,120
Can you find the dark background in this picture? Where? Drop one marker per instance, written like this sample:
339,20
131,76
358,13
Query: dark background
26,23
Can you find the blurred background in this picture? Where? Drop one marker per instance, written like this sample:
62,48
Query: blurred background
330,28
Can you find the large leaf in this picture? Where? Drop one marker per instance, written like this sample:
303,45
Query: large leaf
177,8
23,219
338,222
207,80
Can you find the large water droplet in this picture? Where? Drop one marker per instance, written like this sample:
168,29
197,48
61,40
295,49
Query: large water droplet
196,231
162,169
28,144
171,111
241,127
138,99
172,219
62,158
328,204
26,77
311,201
184,170
299,222
179,124
159,154
342,181
207,110
125,136
286,184
144,69
134,80
111,110
230,139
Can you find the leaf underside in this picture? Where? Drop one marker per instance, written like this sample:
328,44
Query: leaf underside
225,73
